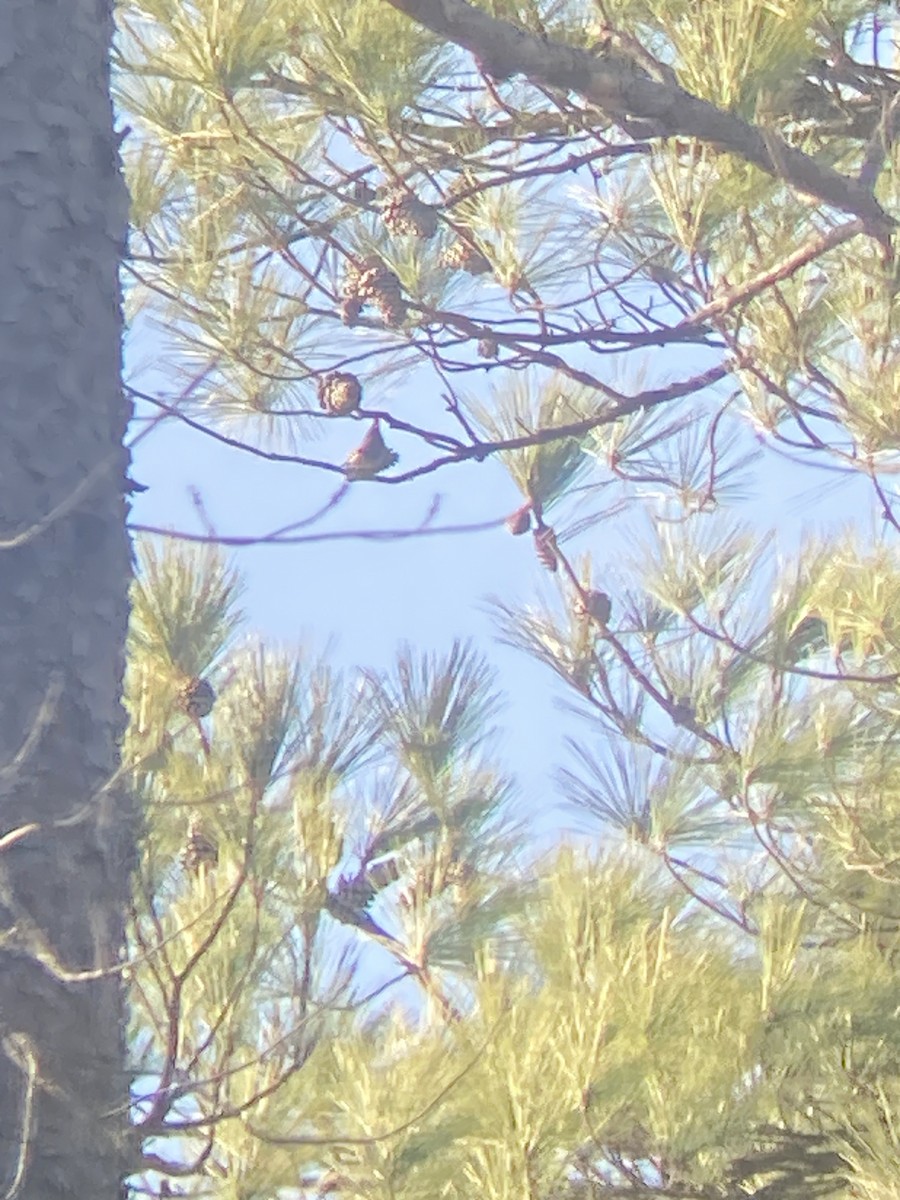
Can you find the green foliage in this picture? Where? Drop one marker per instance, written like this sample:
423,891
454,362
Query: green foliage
546,471
353,972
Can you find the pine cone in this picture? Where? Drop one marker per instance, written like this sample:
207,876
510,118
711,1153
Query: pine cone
594,604
379,284
199,849
519,522
339,393
370,456
374,279
350,309
545,547
405,214
350,283
463,256
197,698
392,310
373,282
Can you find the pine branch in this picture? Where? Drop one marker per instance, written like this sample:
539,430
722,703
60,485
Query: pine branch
625,91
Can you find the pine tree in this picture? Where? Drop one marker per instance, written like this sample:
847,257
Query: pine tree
69,835
314,845
632,251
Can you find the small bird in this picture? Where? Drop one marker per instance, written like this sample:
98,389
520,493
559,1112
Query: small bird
370,457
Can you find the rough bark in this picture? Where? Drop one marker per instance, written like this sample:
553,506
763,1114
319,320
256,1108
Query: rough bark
66,847
625,92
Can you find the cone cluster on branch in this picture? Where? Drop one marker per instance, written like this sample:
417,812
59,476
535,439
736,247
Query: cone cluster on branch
373,282
199,849
406,215
370,457
340,393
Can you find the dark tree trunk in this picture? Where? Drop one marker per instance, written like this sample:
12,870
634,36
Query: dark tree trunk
67,844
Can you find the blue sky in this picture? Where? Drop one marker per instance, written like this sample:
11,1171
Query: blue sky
362,598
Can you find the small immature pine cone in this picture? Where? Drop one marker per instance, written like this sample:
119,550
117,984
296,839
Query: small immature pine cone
370,457
197,698
374,278
545,547
406,215
519,522
339,393
594,604
199,849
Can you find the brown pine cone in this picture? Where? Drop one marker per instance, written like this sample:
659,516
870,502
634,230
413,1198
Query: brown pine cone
197,698
339,392
545,547
350,309
594,604
350,282
519,522
373,278
379,285
406,215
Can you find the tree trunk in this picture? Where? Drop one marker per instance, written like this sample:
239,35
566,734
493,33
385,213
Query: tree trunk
67,844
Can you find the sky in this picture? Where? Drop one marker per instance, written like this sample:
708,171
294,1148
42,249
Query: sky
361,599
